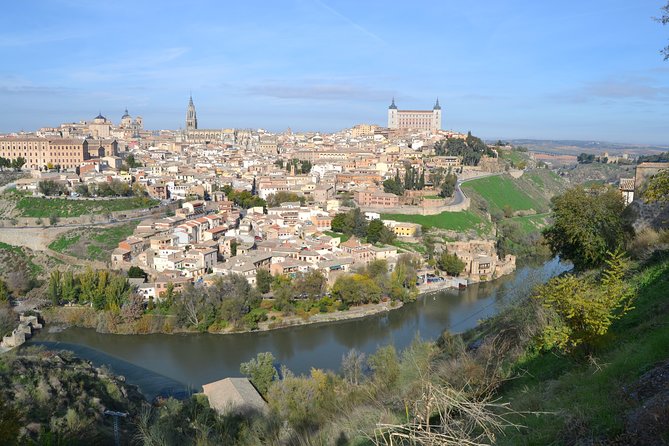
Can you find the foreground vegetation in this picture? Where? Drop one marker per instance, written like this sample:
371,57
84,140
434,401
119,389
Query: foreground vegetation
55,398
598,396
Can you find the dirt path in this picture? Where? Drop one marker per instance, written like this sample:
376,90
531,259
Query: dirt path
38,239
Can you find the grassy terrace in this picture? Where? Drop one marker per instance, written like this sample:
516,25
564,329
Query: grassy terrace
16,257
593,395
414,247
531,223
62,207
514,156
501,191
453,221
92,243
342,237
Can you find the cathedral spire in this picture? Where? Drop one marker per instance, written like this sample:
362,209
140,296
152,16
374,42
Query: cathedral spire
437,106
191,115
392,105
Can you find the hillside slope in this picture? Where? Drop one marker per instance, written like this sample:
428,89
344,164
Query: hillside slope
618,395
530,193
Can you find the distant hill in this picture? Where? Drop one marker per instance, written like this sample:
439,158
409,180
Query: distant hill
575,147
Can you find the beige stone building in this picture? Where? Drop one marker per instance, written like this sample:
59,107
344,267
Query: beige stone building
375,198
100,127
415,119
42,152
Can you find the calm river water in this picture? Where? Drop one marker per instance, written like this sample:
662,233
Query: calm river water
161,364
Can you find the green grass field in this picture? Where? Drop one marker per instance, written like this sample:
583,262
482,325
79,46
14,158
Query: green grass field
93,243
501,191
453,221
531,223
342,237
60,207
592,394
515,156
413,247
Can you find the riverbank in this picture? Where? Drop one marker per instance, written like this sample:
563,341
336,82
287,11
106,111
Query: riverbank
195,358
104,322
113,323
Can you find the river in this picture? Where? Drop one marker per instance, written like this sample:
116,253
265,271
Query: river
161,363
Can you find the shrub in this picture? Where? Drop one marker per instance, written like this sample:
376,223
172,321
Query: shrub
583,309
647,241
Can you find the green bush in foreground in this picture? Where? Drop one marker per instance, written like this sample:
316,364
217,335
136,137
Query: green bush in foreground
584,309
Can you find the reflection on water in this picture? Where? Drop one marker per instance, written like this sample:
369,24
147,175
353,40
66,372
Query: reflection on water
164,361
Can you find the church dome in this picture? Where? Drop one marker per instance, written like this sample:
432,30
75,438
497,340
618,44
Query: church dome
125,115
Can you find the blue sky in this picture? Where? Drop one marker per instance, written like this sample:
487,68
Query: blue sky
512,69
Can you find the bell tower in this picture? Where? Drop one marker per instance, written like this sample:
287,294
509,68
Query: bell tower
191,116
393,118
436,116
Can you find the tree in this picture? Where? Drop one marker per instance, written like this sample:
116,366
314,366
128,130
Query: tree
658,187
374,230
664,19
340,223
587,224
304,401
133,308
260,371
18,163
4,291
356,289
282,289
393,186
450,263
55,287
131,162
135,272
403,278
275,200
82,190
138,190
359,223
352,366
385,366
585,158
263,280
5,163
116,293
69,288
584,309
50,187
448,185
310,285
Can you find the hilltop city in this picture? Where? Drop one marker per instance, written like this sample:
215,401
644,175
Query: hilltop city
243,200
125,230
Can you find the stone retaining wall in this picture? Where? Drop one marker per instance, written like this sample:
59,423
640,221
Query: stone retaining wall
421,210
